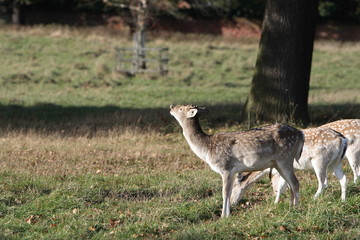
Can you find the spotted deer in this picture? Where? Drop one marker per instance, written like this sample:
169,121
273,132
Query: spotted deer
350,128
323,150
274,146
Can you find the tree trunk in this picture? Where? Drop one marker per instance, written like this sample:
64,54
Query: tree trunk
141,46
15,17
280,84
140,19
138,46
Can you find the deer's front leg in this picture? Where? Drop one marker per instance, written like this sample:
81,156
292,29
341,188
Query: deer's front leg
227,179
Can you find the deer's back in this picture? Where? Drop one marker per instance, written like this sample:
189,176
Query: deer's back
269,142
350,128
321,144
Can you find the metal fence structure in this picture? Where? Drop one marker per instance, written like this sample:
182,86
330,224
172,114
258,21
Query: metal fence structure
142,60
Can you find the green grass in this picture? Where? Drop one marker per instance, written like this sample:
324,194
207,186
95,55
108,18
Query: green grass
78,70
87,153
182,206
43,70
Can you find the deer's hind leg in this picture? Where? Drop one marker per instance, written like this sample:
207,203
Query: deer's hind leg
286,171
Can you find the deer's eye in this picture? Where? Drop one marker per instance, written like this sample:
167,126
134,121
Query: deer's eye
180,109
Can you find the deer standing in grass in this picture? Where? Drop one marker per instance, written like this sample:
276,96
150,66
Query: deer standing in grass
274,146
323,150
350,128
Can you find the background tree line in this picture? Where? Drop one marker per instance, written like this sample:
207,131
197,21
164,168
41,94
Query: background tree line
334,10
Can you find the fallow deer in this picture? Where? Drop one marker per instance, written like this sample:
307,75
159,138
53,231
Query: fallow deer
350,128
323,150
274,146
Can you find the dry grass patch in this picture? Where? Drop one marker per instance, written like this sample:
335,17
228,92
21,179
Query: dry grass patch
110,153
335,96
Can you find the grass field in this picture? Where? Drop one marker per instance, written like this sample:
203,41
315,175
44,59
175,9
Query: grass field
87,153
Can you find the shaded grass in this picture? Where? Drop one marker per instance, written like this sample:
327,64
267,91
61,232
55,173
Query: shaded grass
90,121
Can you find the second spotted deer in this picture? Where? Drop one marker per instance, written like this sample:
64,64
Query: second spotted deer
323,151
350,128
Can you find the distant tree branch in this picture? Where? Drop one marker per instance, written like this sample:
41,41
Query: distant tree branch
121,5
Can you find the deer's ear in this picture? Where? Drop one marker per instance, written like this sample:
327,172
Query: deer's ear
191,113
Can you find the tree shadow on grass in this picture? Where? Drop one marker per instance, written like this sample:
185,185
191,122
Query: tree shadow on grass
88,120
78,120
325,113
82,120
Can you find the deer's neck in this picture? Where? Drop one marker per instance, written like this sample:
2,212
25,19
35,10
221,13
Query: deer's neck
196,138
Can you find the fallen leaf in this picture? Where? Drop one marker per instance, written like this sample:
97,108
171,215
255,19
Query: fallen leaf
284,228
114,222
91,229
32,219
316,227
300,229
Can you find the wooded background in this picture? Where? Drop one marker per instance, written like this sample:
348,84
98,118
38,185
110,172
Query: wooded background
19,11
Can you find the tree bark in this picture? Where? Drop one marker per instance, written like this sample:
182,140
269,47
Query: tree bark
141,19
280,84
15,17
